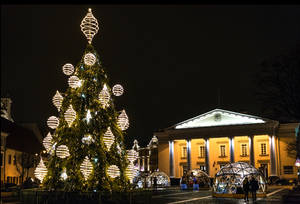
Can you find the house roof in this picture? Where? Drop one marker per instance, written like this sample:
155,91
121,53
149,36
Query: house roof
20,138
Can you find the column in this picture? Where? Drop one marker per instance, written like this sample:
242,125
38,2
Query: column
273,171
148,163
139,163
171,158
143,164
188,149
207,155
231,149
251,150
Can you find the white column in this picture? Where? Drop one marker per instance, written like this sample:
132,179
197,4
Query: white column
251,150
272,156
148,163
143,164
171,158
188,149
231,148
207,155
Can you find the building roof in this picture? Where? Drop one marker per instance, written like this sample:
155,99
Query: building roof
20,138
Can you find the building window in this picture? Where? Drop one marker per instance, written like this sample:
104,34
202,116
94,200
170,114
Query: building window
9,159
244,149
15,160
222,150
201,151
202,167
263,148
288,170
184,152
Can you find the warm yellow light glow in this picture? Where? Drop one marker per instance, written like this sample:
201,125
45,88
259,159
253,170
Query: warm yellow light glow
70,115
57,100
86,168
64,174
131,171
108,138
89,59
53,122
47,142
88,116
123,121
104,96
131,155
40,171
87,139
62,151
68,69
89,26
74,82
117,90
113,171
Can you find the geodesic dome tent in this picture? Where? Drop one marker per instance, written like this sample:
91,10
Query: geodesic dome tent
229,179
201,177
142,180
162,179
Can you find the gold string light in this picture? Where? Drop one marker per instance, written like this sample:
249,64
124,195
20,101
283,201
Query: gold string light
57,100
117,90
123,121
108,138
70,115
131,155
68,69
104,97
62,151
86,168
47,142
41,171
89,59
87,139
113,171
74,82
53,122
89,26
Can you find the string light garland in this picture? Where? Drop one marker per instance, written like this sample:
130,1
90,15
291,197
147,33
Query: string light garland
62,151
123,121
113,171
70,115
89,59
86,168
108,138
104,96
87,139
41,171
47,142
53,122
89,26
57,100
74,82
117,90
68,69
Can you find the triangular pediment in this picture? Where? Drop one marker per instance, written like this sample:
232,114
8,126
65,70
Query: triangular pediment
219,117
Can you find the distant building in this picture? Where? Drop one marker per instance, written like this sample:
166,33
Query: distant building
213,139
18,147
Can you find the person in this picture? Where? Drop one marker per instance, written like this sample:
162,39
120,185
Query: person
254,187
246,189
155,182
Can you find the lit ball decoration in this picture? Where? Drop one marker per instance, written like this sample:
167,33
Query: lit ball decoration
117,90
87,139
123,121
68,69
89,59
53,122
131,155
62,151
64,174
86,168
113,171
104,96
57,100
89,26
47,142
74,82
108,138
70,115
41,171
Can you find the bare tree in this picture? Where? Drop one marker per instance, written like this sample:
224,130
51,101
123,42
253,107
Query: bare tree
24,162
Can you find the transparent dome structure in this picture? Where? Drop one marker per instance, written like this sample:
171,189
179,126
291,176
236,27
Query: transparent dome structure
230,178
162,179
200,177
142,180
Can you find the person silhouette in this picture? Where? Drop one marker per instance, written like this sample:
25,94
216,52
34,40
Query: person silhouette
254,187
246,189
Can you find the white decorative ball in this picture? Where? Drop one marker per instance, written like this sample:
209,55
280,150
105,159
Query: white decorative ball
68,69
117,90
113,171
74,82
89,59
62,151
53,122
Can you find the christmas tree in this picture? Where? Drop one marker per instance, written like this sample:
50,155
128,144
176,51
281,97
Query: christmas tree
86,142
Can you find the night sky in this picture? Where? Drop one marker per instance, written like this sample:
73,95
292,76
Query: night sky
170,59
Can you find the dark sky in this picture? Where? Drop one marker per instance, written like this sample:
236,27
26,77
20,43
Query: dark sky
171,59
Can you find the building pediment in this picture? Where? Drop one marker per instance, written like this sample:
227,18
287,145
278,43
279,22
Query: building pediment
219,117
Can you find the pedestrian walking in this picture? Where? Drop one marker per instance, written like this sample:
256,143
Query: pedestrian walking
246,188
254,187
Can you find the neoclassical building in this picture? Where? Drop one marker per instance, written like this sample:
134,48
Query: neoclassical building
217,137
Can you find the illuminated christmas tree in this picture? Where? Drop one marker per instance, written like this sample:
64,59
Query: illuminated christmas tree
86,141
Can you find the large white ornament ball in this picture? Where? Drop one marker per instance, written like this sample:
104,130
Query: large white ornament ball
53,122
62,151
68,69
74,82
117,90
113,171
89,59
